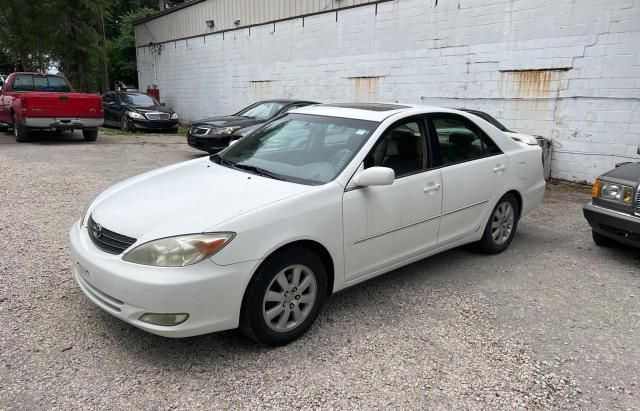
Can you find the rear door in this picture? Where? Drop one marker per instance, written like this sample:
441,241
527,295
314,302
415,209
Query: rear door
473,172
111,109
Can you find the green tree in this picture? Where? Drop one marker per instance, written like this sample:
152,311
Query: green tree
122,48
26,31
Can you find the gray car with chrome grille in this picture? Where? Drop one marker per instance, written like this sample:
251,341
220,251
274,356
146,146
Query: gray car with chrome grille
614,212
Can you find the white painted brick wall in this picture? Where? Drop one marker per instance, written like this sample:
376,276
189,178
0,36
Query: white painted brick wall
458,53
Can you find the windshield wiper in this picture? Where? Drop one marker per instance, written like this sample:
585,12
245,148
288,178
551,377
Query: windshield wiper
259,171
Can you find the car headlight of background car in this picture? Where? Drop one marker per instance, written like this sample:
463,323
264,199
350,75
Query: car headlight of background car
133,114
174,116
225,130
178,251
616,192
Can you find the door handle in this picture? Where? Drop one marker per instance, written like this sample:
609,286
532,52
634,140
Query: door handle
432,188
499,169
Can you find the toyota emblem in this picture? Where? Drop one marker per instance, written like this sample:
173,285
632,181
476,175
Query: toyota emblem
96,229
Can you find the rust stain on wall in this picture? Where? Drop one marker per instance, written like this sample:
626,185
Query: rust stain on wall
261,89
529,83
366,88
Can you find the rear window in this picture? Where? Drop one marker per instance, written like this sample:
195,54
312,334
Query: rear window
30,82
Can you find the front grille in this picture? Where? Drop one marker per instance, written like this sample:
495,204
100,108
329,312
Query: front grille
157,116
107,240
638,202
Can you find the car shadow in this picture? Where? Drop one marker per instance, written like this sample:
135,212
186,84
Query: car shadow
209,350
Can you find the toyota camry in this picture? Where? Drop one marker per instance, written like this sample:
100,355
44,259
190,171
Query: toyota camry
258,236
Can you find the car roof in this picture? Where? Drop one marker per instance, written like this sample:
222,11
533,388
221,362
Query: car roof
285,101
370,111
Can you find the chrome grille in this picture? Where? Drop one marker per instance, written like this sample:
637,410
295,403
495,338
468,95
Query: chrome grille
106,240
638,202
157,116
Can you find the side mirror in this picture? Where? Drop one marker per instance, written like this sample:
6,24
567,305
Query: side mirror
375,176
163,104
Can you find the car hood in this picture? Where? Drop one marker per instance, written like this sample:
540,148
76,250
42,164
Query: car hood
190,197
228,121
627,174
152,109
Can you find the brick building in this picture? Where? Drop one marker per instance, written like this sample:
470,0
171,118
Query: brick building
568,70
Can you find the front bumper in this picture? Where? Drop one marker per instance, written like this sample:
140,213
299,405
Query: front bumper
153,125
63,123
619,226
210,144
211,294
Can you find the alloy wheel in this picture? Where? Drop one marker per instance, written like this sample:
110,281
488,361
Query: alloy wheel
502,223
290,298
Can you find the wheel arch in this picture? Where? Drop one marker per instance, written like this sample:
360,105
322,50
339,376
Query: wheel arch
518,197
311,245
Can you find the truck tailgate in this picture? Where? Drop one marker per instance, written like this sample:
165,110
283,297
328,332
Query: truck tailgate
58,105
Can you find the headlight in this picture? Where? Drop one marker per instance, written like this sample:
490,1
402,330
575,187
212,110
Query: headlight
613,192
174,116
133,114
178,251
226,130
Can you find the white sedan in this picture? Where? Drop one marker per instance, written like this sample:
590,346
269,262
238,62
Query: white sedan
317,200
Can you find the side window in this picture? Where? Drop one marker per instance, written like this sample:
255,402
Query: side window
109,99
401,148
460,140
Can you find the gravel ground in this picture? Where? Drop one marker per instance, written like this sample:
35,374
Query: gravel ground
553,322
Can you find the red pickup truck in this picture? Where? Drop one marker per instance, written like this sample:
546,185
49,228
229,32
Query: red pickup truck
31,101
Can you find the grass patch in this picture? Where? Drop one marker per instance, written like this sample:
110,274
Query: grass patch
182,131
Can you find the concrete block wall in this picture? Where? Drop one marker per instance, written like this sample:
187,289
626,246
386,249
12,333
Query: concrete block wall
568,70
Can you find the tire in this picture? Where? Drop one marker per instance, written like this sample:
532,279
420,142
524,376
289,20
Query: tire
501,227
602,241
20,132
124,124
276,282
90,135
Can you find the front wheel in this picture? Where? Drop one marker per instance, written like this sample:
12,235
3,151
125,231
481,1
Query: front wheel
20,132
90,135
501,227
284,297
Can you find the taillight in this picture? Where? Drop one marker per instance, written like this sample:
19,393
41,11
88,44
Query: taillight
24,104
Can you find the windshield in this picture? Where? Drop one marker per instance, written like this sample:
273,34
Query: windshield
261,111
138,100
300,148
31,82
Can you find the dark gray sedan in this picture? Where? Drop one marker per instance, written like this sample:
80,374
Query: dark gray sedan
215,133
614,212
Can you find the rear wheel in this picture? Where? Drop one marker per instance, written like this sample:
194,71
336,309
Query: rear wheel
20,132
501,227
602,241
90,135
284,297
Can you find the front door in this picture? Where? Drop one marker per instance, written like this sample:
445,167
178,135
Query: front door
389,224
473,171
